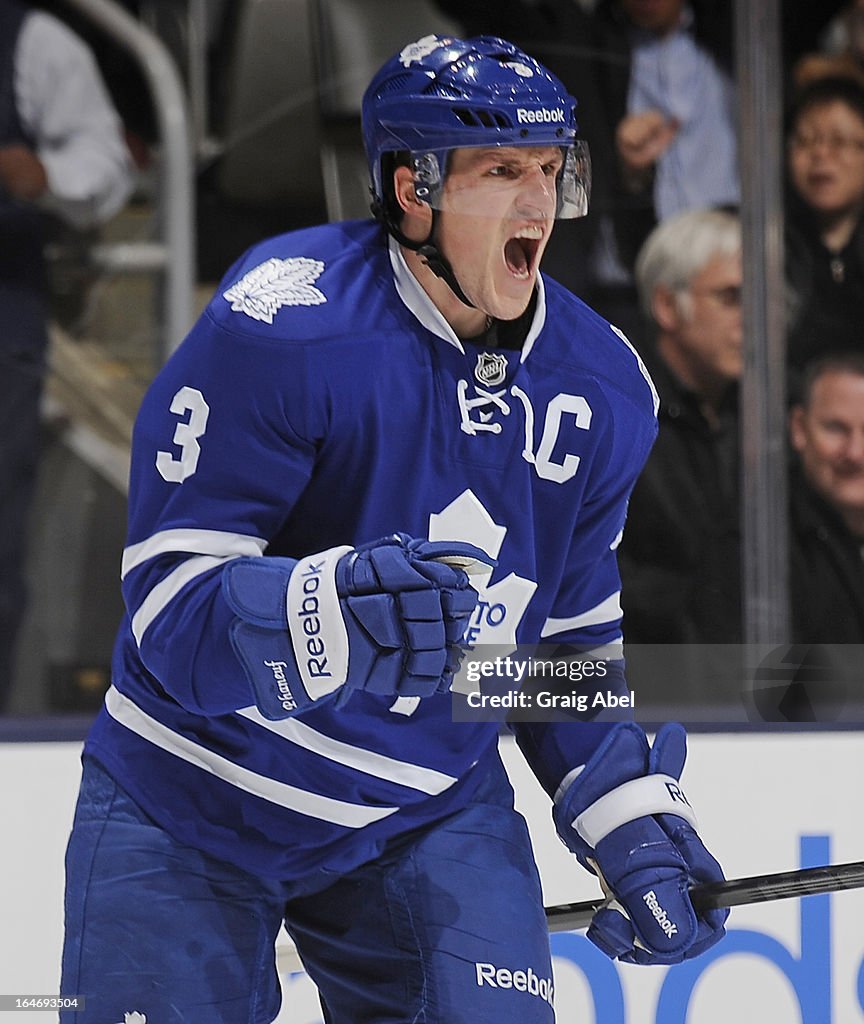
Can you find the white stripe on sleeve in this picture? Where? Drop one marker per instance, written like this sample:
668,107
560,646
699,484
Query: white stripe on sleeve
325,808
608,610
166,590
192,542
402,773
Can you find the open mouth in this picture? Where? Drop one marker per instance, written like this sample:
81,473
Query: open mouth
520,251
820,180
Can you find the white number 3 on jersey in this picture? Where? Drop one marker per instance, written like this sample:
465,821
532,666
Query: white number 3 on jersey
173,469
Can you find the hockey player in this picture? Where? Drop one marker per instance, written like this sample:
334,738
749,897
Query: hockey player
278,744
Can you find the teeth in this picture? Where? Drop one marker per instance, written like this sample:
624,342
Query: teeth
531,231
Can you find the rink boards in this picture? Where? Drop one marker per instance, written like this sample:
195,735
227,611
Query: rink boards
765,802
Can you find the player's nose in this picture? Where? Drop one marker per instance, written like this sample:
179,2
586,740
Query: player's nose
537,195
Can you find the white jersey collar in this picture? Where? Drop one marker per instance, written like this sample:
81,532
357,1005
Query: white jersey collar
425,310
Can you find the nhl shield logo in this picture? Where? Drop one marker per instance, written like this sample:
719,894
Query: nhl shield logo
491,368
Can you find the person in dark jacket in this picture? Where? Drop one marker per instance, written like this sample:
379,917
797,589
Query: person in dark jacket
825,233
826,543
680,554
61,154
826,430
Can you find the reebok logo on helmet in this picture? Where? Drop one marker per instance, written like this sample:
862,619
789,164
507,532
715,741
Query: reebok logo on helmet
542,116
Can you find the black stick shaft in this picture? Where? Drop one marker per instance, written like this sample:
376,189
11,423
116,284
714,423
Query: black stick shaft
733,892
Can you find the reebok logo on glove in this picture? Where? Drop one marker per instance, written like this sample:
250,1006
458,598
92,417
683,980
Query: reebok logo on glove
660,915
676,793
316,624
309,615
626,818
394,605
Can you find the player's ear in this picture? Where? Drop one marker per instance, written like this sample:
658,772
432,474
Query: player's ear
406,197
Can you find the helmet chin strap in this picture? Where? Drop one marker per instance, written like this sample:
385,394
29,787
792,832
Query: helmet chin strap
438,263
429,251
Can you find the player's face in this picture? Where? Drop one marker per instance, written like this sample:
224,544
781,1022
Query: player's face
829,438
497,213
826,159
708,329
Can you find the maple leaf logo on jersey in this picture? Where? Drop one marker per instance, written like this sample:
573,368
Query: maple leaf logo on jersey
262,292
501,604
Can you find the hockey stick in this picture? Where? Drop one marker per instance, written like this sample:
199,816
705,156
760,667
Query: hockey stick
734,892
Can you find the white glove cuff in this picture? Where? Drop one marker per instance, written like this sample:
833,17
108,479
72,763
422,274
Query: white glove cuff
316,625
651,794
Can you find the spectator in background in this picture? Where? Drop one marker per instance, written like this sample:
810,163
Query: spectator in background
809,28
61,154
664,75
676,132
825,240
679,557
840,48
826,430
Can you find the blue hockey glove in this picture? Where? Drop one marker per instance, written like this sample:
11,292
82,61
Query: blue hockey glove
387,618
627,820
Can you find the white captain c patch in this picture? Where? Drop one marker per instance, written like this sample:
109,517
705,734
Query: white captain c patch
262,292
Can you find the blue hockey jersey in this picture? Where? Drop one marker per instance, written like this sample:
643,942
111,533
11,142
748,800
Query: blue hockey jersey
320,400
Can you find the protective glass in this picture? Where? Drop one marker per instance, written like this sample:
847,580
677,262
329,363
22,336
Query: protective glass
509,181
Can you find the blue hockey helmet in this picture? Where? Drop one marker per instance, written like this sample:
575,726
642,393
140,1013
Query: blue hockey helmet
442,93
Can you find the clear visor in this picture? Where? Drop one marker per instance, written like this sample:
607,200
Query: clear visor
533,182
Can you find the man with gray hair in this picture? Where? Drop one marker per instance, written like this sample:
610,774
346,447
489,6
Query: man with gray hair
680,553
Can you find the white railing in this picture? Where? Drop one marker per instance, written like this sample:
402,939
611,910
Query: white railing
172,255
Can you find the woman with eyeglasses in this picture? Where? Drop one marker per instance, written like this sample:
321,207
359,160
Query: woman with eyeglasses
825,237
